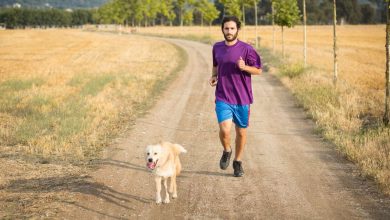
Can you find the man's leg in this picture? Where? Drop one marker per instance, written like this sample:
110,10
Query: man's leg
240,145
224,134
240,142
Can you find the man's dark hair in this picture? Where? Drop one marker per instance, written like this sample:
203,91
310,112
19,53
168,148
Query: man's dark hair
231,18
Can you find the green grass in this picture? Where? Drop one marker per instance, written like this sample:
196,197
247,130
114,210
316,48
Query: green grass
18,84
60,122
317,96
72,118
269,58
291,70
96,84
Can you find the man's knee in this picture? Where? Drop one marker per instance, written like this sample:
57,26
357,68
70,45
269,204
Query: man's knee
225,132
241,132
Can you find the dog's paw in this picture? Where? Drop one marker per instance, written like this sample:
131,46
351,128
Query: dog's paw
167,200
174,196
158,201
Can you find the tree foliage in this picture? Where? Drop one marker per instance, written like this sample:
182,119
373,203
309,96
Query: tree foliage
207,10
43,18
287,13
74,4
185,12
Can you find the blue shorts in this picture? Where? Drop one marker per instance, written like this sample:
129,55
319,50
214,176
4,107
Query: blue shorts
239,113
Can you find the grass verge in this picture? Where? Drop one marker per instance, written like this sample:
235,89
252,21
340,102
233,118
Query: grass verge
343,116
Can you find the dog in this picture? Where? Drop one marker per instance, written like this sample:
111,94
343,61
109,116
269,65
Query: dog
163,160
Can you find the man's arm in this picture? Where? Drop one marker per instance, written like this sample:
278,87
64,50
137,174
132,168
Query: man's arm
214,71
252,70
249,69
214,77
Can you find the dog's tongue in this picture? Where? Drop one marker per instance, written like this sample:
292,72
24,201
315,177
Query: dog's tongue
151,165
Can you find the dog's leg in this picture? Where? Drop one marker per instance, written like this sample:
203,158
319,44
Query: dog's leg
173,186
166,200
158,187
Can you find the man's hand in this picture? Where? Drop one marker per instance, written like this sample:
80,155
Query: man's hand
213,81
241,64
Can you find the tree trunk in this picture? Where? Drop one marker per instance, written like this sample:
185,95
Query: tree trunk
304,34
243,22
387,101
256,40
181,17
334,43
273,27
282,41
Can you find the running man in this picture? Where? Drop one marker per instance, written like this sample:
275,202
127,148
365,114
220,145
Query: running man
234,62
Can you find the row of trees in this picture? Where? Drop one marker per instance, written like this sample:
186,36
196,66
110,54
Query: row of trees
25,17
189,12
54,3
151,12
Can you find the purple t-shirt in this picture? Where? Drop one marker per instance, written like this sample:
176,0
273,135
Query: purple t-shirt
234,86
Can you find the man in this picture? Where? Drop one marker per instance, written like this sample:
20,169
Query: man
233,64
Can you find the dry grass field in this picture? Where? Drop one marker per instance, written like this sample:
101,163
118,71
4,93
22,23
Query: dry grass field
350,114
65,92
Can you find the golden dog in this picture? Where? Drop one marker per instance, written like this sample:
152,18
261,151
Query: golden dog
163,160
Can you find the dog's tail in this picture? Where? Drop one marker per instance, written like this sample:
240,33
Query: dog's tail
179,149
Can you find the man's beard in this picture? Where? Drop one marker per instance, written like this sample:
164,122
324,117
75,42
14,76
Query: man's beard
230,40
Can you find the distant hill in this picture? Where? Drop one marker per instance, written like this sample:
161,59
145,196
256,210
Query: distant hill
54,3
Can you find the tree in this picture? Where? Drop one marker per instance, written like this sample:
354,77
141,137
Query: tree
286,14
207,10
105,13
386,116
381,12
185,7
231,7
313,11
304,32
368,14
334,42
326,15
139,9
188,16
244,3
273,26
349,10
256,36
166,10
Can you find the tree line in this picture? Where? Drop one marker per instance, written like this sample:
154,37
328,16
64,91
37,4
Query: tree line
189,12
54,3
44,18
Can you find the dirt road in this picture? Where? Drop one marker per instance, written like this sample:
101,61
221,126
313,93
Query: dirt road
290,172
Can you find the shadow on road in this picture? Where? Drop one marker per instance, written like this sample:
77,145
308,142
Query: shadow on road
72,184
